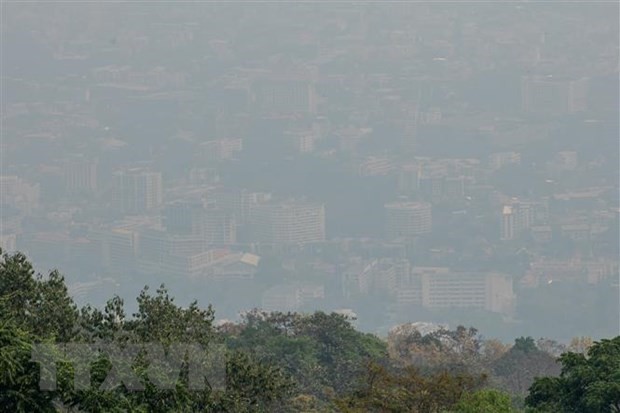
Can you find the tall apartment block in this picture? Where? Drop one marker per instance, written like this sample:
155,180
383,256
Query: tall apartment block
288,222
408,219
137,190
516,218
80,175
211,224
409,179
442,288
489,291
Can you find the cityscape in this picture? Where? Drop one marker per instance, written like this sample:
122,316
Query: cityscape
403,162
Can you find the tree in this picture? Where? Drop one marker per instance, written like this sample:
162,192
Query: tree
19,378
386,389
580,345
493,349
457,350
516,369
550,347
32,309
38,304
322,352
587,383
484,401
37,309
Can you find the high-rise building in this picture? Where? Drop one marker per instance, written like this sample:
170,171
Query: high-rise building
486,291
179,217
120,249
212,224
516,217
137,190
409,179
217,226
442,288
408,219
453,188
231,200
508,229
237,202
80,175
156,244
288,223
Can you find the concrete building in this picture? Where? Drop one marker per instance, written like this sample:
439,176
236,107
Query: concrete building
486,291
211,224
240,265
216,226
453,189
546,271
500,159
157,243
374,166
203,176
409,179
516,218
408,219
119,248
220,149
357,277
137,190
441,288
289,222
161,252
508,228
284,95
554,96
300,141
80,175
238,202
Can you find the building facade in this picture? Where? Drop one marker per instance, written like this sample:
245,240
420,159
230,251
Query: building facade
408,219
137,190
288,223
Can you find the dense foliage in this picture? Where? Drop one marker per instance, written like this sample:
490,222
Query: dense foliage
283,362
588,383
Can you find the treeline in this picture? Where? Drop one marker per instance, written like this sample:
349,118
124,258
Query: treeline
277,362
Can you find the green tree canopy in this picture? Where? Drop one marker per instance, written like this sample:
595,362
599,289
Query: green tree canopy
587,383
484,401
